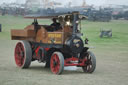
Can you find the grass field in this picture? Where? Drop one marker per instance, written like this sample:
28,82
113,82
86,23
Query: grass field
111,55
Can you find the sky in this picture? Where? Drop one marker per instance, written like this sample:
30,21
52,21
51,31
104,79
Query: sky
78,2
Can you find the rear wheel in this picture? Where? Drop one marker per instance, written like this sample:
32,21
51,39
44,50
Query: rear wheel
23,54
57,63
90,63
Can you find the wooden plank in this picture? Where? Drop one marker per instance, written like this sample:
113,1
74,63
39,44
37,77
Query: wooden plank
23,33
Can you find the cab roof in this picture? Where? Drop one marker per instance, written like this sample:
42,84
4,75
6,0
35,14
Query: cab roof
47,16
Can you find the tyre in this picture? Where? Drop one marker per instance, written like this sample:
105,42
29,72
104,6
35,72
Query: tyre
23,54
90,64
57,63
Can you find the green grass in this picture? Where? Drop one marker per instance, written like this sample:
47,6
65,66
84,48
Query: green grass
111,56
90,30
119,32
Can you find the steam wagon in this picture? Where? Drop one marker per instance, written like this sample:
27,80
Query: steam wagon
57,45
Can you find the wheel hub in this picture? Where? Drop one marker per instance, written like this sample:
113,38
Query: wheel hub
22,54
54,63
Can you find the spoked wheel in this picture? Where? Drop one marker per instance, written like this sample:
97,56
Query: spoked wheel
90,64
57,63
23,54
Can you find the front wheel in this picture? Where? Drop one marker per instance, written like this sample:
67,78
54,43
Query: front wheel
90,64
57,63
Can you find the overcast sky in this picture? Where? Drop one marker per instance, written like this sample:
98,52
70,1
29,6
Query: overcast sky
78,2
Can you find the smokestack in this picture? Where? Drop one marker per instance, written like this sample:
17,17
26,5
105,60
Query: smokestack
75,23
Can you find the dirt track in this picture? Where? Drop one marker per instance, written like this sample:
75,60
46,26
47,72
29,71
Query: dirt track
112,69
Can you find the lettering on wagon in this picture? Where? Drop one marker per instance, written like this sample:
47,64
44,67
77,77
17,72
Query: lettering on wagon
55,38
53,35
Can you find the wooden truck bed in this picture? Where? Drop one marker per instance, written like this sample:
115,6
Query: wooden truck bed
22,34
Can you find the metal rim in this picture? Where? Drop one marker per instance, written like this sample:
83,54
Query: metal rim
90,64
55,63
19,54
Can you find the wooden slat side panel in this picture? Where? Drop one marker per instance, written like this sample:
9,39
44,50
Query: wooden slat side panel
18,38
41,35
24,33
23,38
21,33
31,33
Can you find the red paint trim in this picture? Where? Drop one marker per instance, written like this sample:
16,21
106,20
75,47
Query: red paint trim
55,67
74,62
19,54
47,49
36,51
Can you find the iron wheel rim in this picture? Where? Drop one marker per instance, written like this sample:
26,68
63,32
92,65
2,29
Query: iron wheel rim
88,64
55,63
19,54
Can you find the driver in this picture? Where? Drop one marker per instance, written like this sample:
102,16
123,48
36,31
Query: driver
55,25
